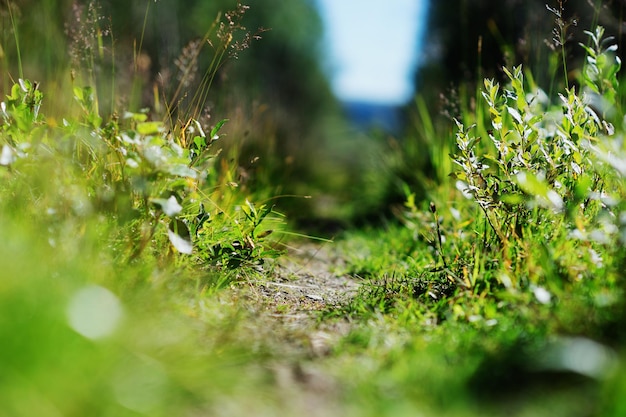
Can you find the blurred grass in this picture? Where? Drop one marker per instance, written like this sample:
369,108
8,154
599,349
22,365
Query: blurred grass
175,350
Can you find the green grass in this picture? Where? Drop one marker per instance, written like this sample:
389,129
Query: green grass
133,261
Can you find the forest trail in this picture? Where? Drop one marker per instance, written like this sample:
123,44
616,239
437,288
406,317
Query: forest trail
309,279
283,316
303,283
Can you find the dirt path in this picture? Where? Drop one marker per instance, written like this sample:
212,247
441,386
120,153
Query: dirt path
305,282
308,279
286,309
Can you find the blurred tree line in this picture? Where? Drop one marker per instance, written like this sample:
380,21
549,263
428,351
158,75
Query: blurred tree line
281,109
468,40
283,117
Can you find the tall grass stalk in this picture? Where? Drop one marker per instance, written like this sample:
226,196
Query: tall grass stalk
17,39
137,51
201,94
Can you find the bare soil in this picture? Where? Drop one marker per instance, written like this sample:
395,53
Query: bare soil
309,279
289,301
285,309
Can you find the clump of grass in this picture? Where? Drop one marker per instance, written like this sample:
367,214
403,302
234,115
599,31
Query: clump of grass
158,179
226,38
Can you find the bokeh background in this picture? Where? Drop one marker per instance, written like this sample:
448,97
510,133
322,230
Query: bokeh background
324,104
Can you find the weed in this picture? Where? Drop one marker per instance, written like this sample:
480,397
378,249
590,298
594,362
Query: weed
561,34
600,73
226,39
540,182
158,180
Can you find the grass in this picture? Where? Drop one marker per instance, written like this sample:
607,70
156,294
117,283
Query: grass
136,268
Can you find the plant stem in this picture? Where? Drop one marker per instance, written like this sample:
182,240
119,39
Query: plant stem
563,57
17,40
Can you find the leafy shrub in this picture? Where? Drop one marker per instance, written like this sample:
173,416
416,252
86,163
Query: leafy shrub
544,183
152,181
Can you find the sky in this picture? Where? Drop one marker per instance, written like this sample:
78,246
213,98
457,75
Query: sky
372,47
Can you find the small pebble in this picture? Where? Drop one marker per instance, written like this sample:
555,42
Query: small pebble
315,297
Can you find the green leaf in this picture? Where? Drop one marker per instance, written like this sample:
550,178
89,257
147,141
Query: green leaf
583,186
250,211
149,128
137,117
170,206
182,170
179,237
536,186
515,114
78,93
200,142
216,129
265,210
535,119
512,198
